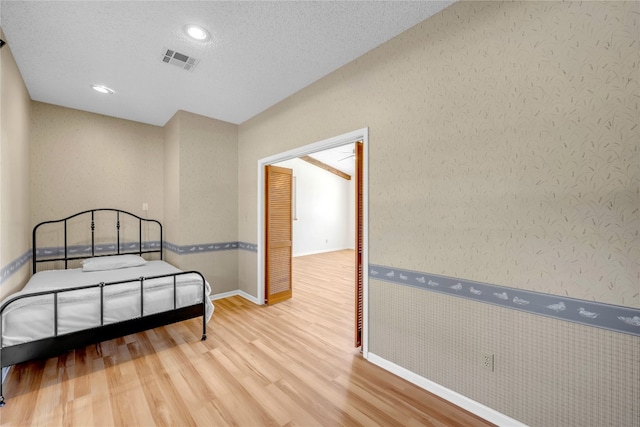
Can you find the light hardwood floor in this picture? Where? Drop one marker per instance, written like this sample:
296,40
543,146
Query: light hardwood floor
288,364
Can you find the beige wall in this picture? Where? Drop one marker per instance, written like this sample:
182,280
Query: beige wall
201,195
208,190
185,171
15,227
523,145
83,160
504,149
172,186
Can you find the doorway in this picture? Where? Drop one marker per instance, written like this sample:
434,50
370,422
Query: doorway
338,141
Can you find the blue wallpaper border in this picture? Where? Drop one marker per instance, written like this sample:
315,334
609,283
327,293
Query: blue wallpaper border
15,265
606,316
596,314
58,251
106,248
210,247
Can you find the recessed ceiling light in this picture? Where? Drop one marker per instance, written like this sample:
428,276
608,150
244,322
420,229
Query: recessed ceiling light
101,89
196,32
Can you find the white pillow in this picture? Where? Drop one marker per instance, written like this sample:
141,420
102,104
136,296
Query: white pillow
112,262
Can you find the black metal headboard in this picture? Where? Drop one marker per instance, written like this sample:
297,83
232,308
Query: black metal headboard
86,250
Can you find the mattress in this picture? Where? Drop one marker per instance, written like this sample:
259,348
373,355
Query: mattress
31,318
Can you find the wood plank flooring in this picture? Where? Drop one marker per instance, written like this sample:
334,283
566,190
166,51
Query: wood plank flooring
290,364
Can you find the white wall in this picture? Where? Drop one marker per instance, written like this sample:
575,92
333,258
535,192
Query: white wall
323,211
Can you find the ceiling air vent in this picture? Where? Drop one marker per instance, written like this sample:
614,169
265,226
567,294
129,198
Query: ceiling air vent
179,59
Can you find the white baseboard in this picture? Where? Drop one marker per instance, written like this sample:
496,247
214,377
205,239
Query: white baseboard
238,292
223,295
457,399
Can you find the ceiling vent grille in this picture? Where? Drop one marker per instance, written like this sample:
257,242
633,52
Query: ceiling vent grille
179,59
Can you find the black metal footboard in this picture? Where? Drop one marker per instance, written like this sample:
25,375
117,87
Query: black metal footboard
59,344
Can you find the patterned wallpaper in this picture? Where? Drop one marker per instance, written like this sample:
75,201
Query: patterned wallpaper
14,172
201,198
208,179
171,179
81,160
547,372
521,165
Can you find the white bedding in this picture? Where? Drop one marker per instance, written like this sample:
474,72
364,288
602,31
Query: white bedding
31,318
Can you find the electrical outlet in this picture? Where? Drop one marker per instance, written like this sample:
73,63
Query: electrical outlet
487,361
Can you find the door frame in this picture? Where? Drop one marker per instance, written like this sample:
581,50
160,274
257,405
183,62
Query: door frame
336,141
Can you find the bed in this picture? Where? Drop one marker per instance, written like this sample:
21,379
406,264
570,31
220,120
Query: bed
97,275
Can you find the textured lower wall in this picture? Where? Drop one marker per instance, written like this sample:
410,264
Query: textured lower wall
547,372
217,261
247,272
220,269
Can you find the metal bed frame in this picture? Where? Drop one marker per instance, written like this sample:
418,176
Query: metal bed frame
59,344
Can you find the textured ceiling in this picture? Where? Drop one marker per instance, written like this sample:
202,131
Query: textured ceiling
259,52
